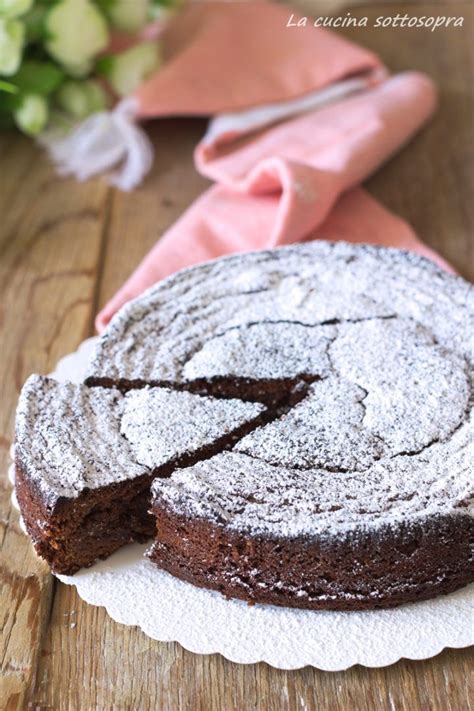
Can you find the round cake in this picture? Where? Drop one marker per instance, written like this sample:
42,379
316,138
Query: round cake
356,489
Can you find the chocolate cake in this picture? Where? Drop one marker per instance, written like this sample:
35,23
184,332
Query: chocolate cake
85,459
349,487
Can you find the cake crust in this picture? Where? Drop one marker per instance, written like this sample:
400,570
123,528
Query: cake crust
355,572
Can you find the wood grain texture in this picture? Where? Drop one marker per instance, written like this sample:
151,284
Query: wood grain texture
50,242
64,249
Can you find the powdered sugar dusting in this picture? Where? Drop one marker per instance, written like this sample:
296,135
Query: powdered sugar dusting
383,435
386,435
263,350
162,424
68,439
158,336
326,429
71,437
416,391
252,496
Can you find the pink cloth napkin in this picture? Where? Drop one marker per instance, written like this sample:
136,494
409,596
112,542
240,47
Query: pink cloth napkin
226,56
297,179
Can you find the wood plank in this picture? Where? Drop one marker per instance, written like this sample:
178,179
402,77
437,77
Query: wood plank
51,236
139,218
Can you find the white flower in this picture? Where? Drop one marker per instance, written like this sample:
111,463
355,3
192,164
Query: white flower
77,31
127,15
14,8
12,35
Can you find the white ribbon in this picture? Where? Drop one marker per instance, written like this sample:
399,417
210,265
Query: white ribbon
105,141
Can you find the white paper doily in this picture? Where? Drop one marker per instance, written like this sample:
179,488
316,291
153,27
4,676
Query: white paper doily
135,592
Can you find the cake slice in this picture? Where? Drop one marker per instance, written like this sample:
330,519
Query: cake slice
85,459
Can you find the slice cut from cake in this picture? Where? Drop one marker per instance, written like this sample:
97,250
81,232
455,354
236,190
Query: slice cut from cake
85,459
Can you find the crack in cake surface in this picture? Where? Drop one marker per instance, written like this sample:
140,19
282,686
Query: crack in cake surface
151,341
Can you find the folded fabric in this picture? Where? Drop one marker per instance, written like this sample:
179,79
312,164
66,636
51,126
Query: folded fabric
307,162
301,118
218,57
291,182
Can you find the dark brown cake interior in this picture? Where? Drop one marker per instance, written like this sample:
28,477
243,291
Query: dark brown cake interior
90,527
270,392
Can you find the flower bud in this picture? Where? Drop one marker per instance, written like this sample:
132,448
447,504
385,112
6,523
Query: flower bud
32,114
128,16
76,32
126,71
81,98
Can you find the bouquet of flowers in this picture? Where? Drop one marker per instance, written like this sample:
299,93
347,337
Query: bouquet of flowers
57,63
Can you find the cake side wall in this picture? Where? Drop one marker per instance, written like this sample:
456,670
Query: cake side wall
405,564
88,528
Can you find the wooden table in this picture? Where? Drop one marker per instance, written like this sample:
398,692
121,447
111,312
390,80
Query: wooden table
65,248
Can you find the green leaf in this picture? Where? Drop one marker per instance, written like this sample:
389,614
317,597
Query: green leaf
9,102
9,88
36,77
